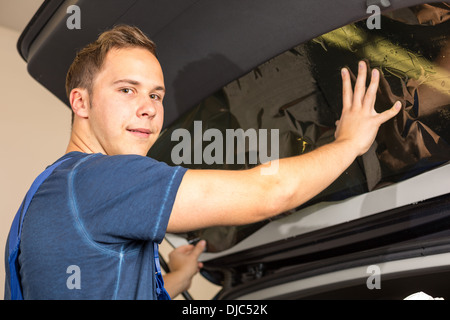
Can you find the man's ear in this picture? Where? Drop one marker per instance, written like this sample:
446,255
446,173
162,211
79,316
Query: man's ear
79,101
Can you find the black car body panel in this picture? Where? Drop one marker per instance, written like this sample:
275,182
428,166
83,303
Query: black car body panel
202,45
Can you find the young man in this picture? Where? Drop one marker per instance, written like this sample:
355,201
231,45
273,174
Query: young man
104,207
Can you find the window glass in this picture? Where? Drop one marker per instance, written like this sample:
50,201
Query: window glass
299,94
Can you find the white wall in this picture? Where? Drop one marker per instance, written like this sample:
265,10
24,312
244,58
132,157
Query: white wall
34,131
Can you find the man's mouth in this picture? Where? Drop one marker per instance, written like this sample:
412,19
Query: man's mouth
140,132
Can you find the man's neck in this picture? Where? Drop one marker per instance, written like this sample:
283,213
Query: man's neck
76,143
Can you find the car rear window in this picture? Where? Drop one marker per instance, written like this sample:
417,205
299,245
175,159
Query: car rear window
298,94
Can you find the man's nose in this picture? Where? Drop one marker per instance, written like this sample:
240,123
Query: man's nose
147,108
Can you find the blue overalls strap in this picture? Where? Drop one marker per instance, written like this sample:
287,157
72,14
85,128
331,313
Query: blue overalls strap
15,233
161,292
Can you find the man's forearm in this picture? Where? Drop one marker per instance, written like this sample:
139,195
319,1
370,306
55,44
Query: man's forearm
300,178
220,197
176,283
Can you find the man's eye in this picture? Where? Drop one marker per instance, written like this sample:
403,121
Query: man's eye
126,90
155,97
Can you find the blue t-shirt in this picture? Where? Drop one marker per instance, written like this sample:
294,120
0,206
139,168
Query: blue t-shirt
90,228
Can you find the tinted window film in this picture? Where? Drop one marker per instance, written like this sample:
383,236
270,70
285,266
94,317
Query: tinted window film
298,93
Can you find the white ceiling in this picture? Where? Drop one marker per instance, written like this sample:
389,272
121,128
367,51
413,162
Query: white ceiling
15,14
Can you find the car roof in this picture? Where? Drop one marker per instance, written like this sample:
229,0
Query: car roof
202,45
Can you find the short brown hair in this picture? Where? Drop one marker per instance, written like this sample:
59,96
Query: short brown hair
89,60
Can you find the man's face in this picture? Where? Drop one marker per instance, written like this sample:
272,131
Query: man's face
126,111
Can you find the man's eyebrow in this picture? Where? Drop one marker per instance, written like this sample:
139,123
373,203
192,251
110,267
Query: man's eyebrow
137,83
133,82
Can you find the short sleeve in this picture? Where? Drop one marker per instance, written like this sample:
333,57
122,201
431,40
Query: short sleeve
123,197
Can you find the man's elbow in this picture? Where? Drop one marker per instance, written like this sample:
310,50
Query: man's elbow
278,198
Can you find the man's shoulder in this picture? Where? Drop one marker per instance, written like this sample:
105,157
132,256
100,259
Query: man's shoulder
76,158
115,164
